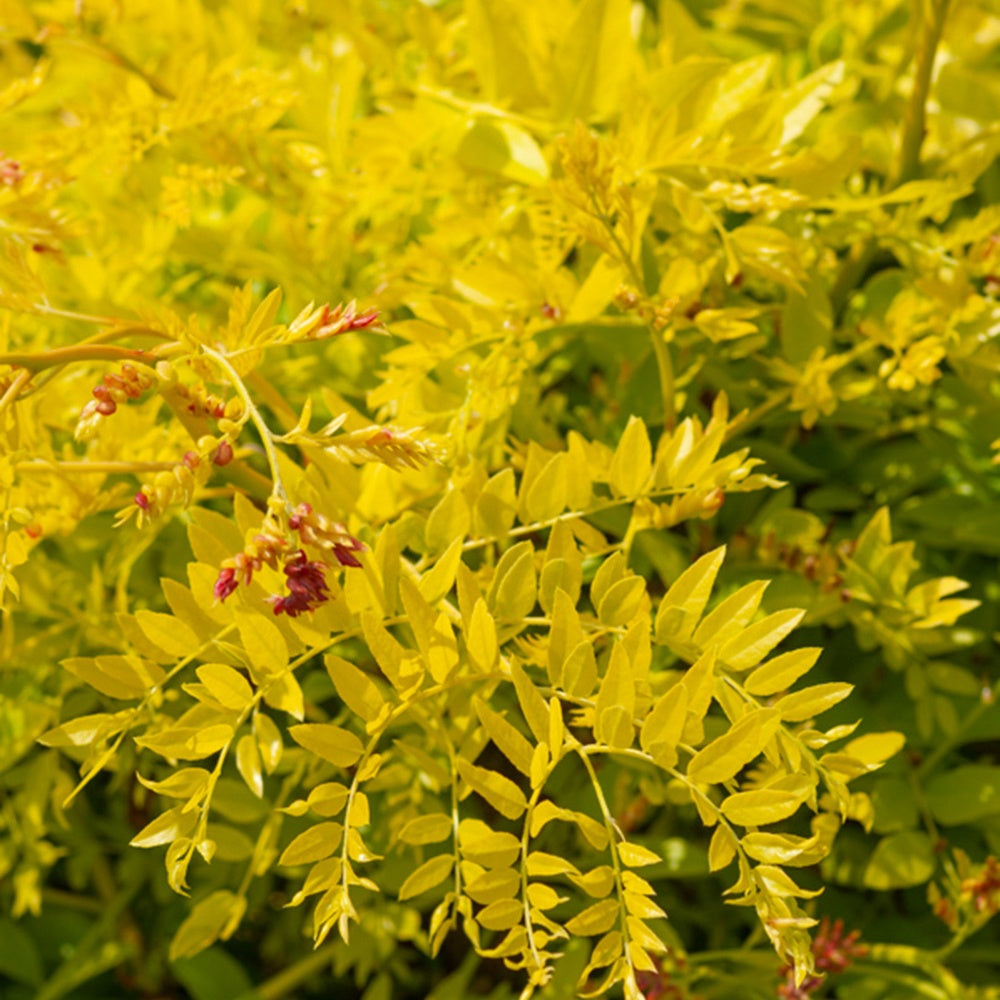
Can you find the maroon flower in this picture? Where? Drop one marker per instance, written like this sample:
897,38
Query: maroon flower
306,586
226,583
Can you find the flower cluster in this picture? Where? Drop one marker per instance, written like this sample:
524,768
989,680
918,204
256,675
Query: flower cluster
399,449
977,896
306,586
272,547
329,321
316,529
116,387
11,173
173,486
833,951
659,984
199,402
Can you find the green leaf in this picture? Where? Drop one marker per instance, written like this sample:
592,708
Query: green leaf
213,917
964,794
901,860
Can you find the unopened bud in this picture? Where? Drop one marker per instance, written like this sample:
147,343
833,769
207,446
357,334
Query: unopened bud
223,455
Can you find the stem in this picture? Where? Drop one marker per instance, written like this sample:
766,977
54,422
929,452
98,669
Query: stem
945,746
258,421
933,17
665,367
110,468
286,981
18,382
36,361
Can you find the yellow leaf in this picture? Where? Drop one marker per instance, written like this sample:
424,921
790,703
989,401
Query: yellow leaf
508,740
248,764
501,915
328,798
615,704
725,756
499,147
123,677
546,496
684,602
314,844
448,521
336,745
721,848
430,874
168,826
354,688
513,590
760,807
874,748
440,578
811,701
500,792
622,601
723,622
542,865
430,828
781,672
637,856
269,741
663,727
496,507
598,882
498,883
481,638
632,461
595,919
263,642
285,694
226,685
754,643
167,633
485,846
533,707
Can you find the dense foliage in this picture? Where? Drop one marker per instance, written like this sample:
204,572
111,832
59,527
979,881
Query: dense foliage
485,489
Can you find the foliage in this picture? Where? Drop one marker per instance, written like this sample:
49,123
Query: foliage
472,627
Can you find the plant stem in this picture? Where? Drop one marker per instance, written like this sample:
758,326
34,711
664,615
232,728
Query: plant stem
36,361
258,421
933,14
286,981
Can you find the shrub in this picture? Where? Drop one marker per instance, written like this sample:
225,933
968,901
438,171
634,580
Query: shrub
528,590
